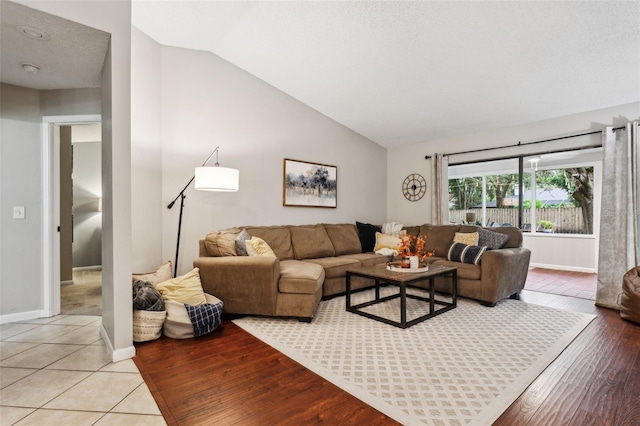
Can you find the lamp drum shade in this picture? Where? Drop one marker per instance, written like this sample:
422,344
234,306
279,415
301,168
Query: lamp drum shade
217,179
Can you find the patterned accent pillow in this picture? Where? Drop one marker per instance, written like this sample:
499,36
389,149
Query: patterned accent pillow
204,318
241,239
466,254
492,240
470,239
386,241
259,247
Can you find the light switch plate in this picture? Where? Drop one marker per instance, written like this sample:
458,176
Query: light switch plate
19,212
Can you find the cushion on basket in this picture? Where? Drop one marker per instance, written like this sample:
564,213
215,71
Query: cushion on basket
178,324
146,297
162,273
183,289
147,325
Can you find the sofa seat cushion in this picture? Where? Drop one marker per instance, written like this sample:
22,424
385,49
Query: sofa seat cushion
344,238
465,270
335,266
310,242
300,277
368,259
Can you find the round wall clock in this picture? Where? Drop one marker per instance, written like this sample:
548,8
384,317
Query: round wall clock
414,187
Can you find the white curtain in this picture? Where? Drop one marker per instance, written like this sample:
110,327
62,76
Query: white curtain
440,190
619,248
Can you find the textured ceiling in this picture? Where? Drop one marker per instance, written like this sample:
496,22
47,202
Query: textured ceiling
408,72
70,57
396,72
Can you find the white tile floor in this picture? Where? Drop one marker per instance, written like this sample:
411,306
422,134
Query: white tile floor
56,371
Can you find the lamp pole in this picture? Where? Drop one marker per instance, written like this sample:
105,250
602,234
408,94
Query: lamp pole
182,197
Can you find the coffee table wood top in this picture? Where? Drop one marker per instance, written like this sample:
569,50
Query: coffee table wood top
381,272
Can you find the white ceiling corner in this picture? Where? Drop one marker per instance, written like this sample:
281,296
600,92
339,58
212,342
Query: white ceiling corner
72,57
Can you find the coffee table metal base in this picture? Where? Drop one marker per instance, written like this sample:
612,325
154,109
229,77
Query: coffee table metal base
403,282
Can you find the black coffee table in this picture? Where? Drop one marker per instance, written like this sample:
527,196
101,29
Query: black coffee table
403,280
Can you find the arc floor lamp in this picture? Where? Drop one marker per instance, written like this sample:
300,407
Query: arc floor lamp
216,178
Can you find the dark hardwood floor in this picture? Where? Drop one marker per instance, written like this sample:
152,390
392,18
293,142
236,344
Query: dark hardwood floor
232,378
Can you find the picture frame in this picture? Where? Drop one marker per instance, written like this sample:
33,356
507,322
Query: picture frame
308,184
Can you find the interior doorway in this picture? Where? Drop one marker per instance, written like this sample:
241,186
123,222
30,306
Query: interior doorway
81,219
52,220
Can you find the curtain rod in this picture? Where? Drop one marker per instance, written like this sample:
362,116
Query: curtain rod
519,144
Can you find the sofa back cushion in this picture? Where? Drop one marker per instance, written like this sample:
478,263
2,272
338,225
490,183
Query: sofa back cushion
438,237
277,237
412,230
344,238
221,243
311,242
514,236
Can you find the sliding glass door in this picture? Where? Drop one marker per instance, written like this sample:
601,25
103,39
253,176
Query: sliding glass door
557,192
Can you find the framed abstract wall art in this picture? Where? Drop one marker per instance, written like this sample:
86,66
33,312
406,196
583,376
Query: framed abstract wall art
307,184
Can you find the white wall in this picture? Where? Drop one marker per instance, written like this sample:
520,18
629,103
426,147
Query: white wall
146,153
207,102
87,191
115,19
411,159
565,252
21,252
20,239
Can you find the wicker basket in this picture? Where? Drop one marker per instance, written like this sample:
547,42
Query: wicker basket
147,325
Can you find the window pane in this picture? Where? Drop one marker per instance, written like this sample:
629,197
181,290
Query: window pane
499,179
564,200
502,199
558,191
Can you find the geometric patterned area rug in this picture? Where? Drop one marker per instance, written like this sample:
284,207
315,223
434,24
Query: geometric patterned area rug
464,367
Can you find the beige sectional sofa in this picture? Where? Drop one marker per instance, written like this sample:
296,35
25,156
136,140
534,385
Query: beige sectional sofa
311,263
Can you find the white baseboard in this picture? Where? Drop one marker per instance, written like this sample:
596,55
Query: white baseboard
22,316
88,268
119,354
68,282
563,268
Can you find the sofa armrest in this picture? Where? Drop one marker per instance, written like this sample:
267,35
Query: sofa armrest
245,284
504,272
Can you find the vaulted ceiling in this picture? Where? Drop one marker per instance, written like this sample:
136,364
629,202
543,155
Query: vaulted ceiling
397,72
403,72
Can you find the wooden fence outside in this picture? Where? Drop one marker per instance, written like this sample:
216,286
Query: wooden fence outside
566,220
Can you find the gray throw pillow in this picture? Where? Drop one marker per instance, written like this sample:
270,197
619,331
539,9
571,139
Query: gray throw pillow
241,246
491,240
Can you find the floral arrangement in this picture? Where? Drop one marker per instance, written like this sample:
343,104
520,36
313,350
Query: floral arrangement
412,246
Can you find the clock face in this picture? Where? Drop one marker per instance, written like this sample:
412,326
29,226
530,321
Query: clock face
414,187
